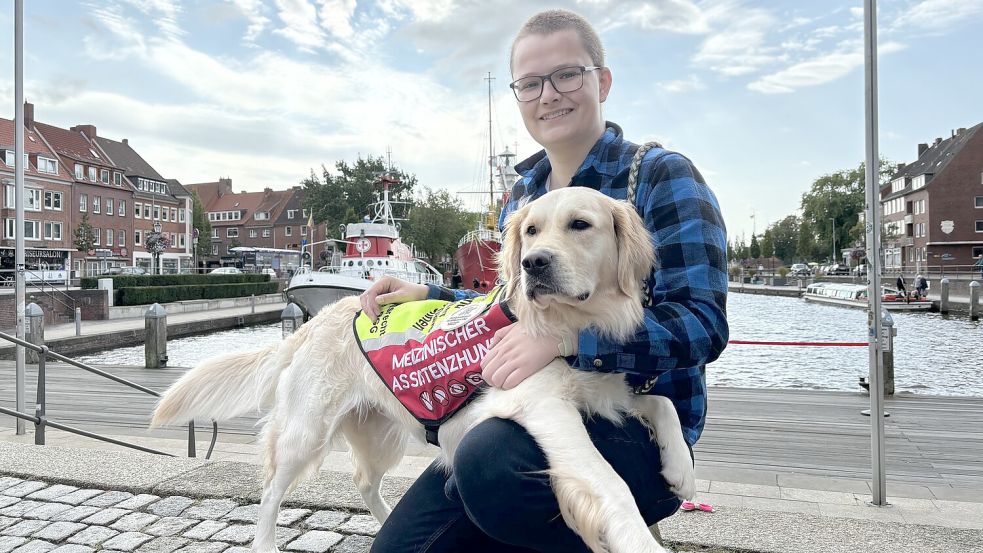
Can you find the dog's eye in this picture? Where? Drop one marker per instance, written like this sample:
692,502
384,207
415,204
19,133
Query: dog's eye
579,224
530,230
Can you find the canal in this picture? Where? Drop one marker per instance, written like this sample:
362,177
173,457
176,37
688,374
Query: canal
934,354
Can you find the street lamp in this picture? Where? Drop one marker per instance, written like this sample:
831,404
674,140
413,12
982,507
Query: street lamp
832,258
156,251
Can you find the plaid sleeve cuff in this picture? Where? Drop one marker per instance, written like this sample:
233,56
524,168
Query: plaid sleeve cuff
435,292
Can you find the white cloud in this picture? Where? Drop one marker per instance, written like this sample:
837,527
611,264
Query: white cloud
818,70
164,14
689,84
121,38
300,25
677,16
740,47
939,14
255,13
336,17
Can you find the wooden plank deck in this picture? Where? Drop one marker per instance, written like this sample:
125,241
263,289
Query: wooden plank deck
931,440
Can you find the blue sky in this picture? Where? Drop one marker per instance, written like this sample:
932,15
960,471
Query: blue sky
764,96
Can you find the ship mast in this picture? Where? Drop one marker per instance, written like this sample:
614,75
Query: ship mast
491,149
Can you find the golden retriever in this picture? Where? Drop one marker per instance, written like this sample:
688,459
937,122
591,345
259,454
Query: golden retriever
573,259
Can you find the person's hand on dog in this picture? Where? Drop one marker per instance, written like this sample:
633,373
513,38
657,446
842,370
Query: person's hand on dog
390,290
515,356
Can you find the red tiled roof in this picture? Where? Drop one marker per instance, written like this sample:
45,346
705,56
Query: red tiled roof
71,144
32,145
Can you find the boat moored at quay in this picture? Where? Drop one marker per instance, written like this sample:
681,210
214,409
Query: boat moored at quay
855,295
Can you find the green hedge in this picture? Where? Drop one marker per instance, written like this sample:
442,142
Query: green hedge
132,281
143,295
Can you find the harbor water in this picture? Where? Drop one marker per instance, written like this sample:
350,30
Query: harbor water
934,354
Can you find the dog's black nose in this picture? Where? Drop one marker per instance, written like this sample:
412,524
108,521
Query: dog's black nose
537,262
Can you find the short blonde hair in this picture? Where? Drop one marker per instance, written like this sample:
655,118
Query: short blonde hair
550,21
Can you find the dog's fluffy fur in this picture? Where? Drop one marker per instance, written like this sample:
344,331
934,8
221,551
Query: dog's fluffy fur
573,259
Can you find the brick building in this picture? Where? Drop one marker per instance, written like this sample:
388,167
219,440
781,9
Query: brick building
933,207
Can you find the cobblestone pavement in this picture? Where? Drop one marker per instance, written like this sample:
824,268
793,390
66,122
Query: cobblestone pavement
38,517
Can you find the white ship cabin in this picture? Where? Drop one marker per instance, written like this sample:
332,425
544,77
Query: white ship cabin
374,250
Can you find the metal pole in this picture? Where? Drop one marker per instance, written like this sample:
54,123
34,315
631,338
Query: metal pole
39,407
19,290
873,231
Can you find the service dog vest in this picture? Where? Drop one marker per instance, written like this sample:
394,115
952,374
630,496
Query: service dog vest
428,352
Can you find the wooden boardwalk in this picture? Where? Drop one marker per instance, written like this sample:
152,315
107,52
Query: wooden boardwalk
931,440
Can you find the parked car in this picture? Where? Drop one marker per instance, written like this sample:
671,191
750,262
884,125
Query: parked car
838,269
800,270
269,271
225,271
132,270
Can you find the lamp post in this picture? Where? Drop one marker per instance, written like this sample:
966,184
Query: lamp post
156,251
194,251
832,257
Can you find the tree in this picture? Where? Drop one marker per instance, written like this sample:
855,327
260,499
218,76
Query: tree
785,235
85,237
436,223
199,221
346,197
768,243
755,249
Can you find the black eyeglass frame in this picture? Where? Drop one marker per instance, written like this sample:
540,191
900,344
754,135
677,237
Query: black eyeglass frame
584,69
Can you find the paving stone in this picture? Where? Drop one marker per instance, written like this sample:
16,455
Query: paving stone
210,509
108,499
8,521
35,546
170,506
25,528
47,511
51,492
75,514
104,517
237,533
286,517
78,496
204,547
93,536
205,529
315,541
284,535
58,531
9,543
72,548
18,509
7,501
245,513
127,541
24,488
365,525
8,481
170,526
137,501
326,520
134,522
237,549
354,544
164,544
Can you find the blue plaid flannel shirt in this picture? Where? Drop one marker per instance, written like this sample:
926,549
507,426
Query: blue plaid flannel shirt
686,326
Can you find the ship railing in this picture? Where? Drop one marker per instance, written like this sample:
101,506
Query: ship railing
480,234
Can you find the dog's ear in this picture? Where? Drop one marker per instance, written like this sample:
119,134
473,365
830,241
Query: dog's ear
636,255
510,256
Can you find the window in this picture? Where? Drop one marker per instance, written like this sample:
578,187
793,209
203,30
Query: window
83,199
262,216
47,165
8,196
288,231
918,182
215,233
109,237
109,206
104,176
97,232
8,228
979,226
137,210
977,251
163,215
174,214
52,230
979,202
95,204
122,208
303,230
122,237
180,215
137,235
32,199
304,211
92,174
266,233
291,213
146,211
79,171
52,200
252,233
118,179
156,212
214,249
32,230
232,232
180,240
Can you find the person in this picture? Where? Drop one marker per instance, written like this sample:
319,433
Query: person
921,285
498,496
902,290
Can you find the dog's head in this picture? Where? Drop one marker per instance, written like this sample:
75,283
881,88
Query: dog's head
577,257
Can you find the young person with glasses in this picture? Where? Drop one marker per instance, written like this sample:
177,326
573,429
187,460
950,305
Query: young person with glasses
498,498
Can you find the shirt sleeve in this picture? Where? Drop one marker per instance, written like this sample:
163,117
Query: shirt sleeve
686,325
435,292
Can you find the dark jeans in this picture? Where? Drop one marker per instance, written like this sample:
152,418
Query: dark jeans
499,499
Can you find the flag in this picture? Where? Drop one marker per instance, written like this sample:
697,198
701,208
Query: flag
310,220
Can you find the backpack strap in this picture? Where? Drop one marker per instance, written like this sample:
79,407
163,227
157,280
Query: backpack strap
636,164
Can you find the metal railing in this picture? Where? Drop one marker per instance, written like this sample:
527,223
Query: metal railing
41,421
38,280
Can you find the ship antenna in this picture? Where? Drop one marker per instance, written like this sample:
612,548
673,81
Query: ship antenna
491,151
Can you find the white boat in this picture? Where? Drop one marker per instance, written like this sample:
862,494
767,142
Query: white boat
373,249
855,295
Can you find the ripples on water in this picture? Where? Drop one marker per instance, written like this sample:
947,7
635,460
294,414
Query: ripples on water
933,354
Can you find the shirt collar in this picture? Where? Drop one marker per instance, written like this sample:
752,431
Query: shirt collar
537,167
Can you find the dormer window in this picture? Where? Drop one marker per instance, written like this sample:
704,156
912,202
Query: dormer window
104,176
262,216
9,159
92,174
47,165
79,171
118,179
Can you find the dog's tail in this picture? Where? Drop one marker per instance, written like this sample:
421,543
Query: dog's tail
226,386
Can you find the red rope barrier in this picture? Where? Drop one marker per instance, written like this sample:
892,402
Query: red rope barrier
820,344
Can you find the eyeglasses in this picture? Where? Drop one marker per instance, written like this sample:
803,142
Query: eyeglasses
565,79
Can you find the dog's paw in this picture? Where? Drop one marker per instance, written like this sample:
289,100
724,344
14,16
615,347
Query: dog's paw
677,469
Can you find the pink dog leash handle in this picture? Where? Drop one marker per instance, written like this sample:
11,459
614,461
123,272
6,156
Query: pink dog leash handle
690,506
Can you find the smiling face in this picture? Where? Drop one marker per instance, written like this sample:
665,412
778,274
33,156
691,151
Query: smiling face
558,120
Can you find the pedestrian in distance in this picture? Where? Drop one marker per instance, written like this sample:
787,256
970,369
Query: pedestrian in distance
902,290
921,286
498,497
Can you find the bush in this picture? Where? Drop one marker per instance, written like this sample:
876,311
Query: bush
133,281
144,295
734,271
783,271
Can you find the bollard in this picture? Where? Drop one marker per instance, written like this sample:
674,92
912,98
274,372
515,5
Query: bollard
944,296
974,300
34,331
888,332
252,304
290,319
78,321
155,340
